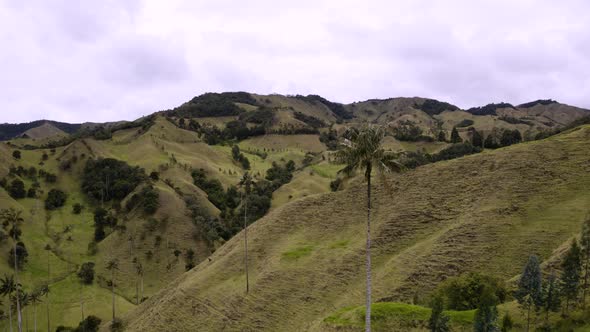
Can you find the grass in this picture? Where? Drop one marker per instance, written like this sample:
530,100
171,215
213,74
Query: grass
395,316
298,252
484,213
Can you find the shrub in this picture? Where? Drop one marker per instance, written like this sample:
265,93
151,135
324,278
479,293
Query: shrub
77,208
155,176
465,123
55,199
16,154
89,324
456,151
407,131
86,273
465,292
335,185
17,189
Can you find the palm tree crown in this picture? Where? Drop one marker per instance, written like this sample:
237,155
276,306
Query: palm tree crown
365,151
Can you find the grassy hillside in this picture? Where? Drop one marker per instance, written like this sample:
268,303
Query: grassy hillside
485,212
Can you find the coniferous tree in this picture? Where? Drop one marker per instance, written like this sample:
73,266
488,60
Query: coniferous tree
570,277
442,136
528,293
550,296
455,138
486,315
438,322
585,247
507,323
476,139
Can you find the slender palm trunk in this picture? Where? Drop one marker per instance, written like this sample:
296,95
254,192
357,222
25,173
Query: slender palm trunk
137,290
246,244
47,294
585,281
10,312
141,287
113,290
48,319
368,253
19,318
35,316
82,301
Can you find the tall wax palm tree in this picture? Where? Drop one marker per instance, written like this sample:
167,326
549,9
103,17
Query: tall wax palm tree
113,265
365,152
35,298
246,182
7,287
14,218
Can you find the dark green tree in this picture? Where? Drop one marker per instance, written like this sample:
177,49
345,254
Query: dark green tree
571,267
476,138
528,293
438,322
86,273
507,323
486,315
455,138
17,189
550,296
442,136
365,152
77,208
55,199
16,154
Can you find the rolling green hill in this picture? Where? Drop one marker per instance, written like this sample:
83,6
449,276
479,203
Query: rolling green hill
485,212
432,222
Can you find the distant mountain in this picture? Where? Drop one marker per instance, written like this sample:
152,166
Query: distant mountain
306,114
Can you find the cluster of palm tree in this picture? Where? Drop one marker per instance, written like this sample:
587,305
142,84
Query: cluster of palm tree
12,290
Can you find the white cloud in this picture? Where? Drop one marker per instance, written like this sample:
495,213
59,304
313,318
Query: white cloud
113,60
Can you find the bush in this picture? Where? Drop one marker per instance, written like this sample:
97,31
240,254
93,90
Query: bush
456,151
117,325
32,193
55,199
86,273
77,208
147,199
407,131
465,292
16,154
335,185
89,324
465,123
155,176
17,189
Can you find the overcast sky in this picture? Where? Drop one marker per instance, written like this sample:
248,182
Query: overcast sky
79,61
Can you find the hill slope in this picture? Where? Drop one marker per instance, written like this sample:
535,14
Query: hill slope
485,212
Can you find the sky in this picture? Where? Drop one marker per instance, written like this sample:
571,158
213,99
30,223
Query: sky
79,61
